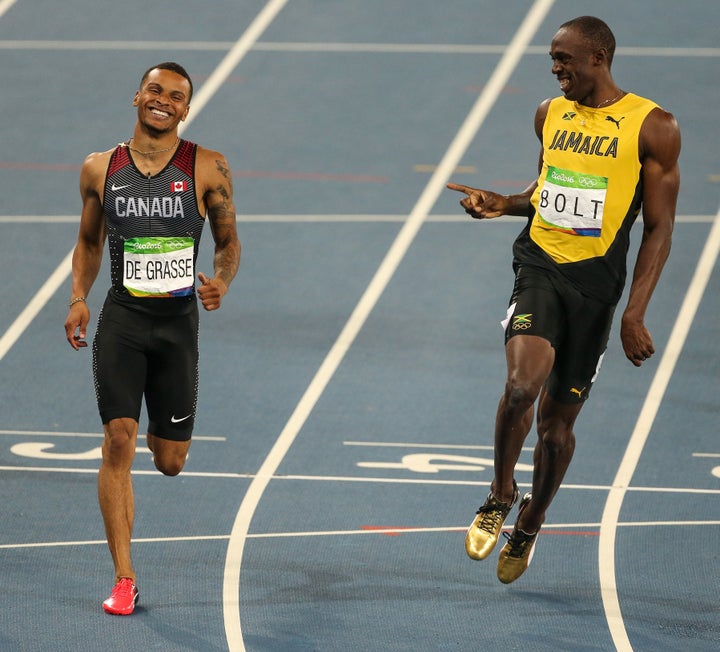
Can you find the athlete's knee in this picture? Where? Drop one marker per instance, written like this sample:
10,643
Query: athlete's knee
169,464
119,442
170,468
520,395
169,460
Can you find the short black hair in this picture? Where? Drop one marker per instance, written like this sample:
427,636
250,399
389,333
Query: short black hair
596,33
172,67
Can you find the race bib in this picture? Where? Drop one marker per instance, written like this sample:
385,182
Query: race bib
158,267
572,202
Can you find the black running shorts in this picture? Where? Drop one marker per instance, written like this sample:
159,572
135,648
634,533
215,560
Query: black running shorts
136,354
578,328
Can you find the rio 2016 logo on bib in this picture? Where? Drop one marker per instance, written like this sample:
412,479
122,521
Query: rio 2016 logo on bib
573,202
158,267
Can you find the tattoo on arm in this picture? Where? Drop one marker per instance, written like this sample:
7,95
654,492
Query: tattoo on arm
223,169
221,213
223,192
223,210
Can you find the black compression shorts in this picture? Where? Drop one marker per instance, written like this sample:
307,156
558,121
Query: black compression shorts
137,354
578,328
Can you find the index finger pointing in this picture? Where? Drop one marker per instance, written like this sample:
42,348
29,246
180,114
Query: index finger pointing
460,188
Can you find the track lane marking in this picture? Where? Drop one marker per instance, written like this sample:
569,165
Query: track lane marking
497,82
559,529
631,458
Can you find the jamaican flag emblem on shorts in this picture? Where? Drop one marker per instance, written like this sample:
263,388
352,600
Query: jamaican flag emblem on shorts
522,322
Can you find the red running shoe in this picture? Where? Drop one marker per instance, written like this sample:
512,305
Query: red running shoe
123,598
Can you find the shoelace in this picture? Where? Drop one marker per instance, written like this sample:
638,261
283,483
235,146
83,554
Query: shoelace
494,511
519,542
123,589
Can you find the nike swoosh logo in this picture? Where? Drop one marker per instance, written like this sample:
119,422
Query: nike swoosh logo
115,188
174,420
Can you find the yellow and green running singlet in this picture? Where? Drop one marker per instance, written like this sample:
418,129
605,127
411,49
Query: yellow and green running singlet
590,177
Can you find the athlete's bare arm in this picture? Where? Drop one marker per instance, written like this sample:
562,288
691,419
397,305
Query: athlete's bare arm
485,204
217,201
659,152
88,253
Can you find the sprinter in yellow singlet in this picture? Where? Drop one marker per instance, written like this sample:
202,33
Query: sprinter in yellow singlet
606,153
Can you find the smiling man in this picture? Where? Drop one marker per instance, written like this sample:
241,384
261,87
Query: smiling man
149,197
605,154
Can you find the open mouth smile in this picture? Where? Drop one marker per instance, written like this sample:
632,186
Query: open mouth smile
159,113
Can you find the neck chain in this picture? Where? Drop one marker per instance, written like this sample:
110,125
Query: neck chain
617,97
154,151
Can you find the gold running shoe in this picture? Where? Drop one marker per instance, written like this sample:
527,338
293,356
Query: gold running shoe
483,533
517,553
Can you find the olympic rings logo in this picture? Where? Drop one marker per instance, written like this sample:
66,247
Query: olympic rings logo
522,322
588,182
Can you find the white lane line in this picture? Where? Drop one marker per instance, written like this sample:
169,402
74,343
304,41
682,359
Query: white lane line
151,472
329,47
234,475
314,219
243,45
23,320
63,271
343,533
390,263
103,542
653,400
82,435
5,6
388,444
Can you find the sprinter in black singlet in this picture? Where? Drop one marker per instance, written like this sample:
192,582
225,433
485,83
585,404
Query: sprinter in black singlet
605,154
149,198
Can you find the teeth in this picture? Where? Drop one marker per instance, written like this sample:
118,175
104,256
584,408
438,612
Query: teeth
162,114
